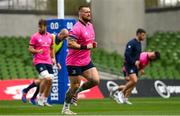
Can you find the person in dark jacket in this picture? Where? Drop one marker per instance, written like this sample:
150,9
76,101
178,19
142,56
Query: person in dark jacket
131,63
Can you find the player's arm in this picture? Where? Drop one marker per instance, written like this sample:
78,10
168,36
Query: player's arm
52,54
34,51
72,43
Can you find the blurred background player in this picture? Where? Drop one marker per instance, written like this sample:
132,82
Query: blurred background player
41,46
132,54
58,41
145,59
78,60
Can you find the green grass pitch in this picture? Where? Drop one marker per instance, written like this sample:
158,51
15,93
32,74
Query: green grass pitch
141,106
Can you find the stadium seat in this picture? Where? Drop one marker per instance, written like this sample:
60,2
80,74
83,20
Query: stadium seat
16,61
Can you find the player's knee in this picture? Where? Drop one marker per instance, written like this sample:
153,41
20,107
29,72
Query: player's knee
44,81
76,87
134,81
49,81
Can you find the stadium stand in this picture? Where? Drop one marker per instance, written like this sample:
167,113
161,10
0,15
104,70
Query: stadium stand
168,45
16,61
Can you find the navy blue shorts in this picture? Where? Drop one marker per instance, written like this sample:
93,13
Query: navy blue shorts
41,67
78,70
130,69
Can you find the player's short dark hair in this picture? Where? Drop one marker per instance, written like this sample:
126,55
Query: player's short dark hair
157,54
140,30
81,7
42,22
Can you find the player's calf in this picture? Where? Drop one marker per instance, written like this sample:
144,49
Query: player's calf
74,99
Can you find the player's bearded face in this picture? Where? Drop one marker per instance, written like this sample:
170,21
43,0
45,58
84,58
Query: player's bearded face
142,36
86,14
